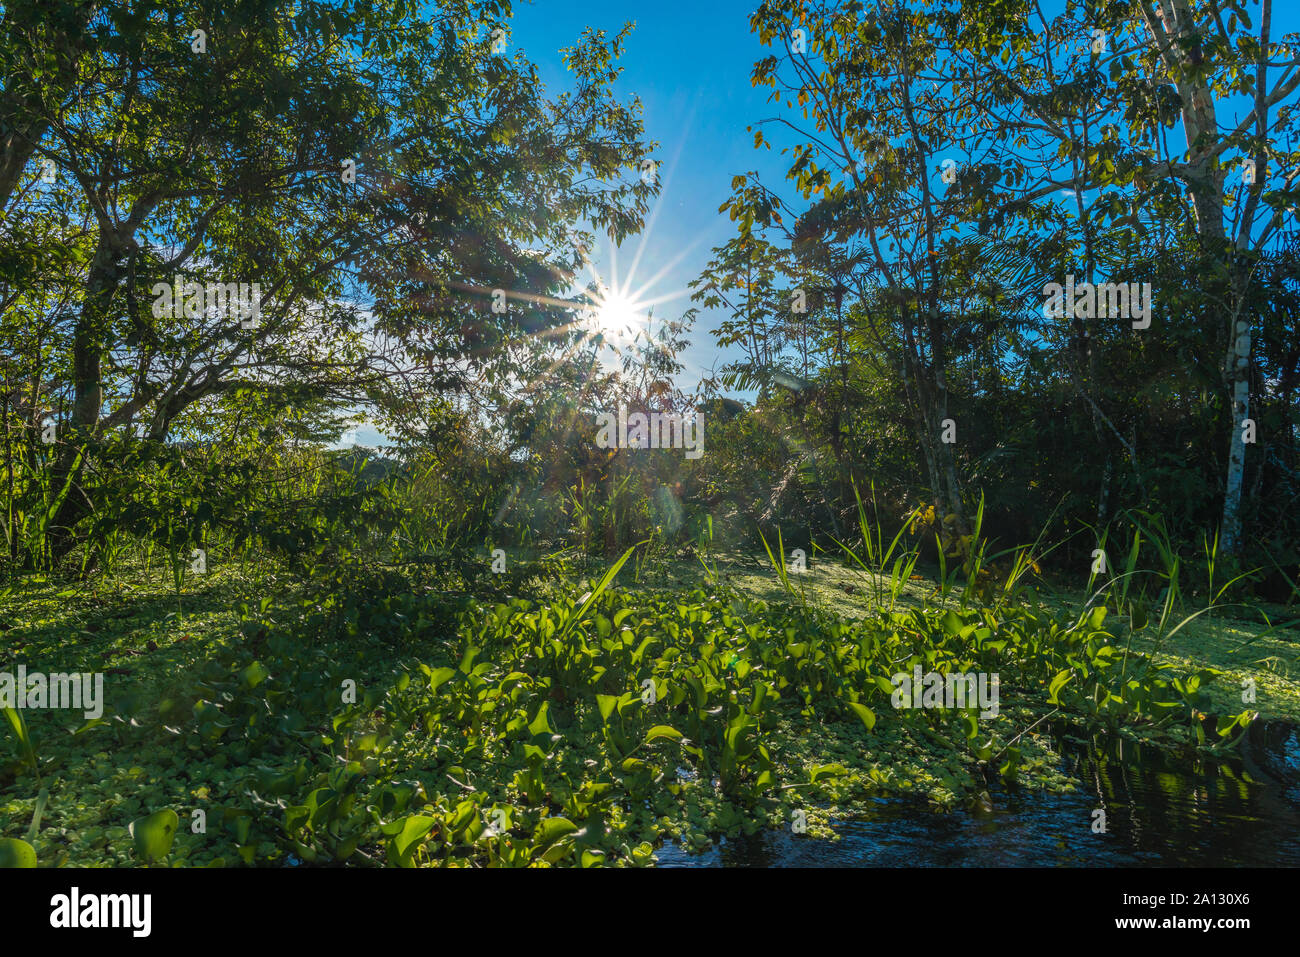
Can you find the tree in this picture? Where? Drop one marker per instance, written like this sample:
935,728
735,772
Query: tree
1098,88
373,170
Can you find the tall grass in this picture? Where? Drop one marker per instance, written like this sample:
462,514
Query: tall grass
887,567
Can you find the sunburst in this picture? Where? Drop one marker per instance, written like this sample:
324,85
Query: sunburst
617,315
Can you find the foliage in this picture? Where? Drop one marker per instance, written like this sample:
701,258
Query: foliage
580,729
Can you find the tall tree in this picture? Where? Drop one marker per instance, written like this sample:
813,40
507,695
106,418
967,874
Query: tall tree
1093,94
378,169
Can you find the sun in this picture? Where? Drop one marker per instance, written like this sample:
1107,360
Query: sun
617,313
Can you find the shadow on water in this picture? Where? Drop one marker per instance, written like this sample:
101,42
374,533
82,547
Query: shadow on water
1160,812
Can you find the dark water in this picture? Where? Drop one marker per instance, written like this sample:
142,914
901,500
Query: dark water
1160,812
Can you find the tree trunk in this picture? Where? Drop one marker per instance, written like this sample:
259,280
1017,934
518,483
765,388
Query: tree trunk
1239,359
58,37
88,393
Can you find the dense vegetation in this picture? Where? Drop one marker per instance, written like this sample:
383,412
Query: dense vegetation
496,642
566,728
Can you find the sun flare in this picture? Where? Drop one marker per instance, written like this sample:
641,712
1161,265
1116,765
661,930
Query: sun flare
617,313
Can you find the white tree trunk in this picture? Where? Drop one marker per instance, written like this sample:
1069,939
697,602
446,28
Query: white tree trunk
1239,360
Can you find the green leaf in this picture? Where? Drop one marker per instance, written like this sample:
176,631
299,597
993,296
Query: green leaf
606,704
824,771
1057,684
16,853
253,675
154,834
414,828
41,800
466,811
601,587
440,676
541,724
866,714
551,830
1226,723
663,731
25,746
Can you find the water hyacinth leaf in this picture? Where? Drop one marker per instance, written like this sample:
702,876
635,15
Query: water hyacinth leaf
823,772
551,830
347,847
296,816
254,675
16,853
414,828
866,714
440,676
541,725
641,649
153,835
663,731
1057,684
533,753
738,735
1012,764
558,852
466,811
1226,723
606,703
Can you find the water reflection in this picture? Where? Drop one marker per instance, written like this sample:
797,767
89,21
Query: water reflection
1161,811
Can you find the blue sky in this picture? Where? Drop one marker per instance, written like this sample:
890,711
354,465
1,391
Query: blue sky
690,63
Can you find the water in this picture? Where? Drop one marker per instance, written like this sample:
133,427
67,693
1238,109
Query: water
1160,812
